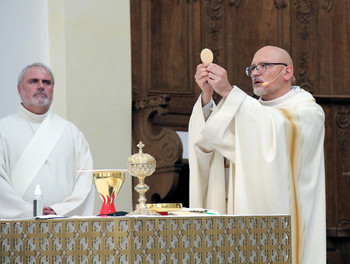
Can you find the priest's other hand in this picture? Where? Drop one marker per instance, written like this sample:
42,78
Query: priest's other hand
202,78
218,79
48,211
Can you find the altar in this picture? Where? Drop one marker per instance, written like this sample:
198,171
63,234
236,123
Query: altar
163,239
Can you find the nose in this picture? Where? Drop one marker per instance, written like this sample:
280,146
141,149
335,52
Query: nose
40,86
255,71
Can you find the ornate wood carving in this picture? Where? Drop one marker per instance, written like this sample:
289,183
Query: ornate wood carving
163,144
303,79
342,142
280,4
327,4
304,14
304,10
234,3
345,223
342,117
214,9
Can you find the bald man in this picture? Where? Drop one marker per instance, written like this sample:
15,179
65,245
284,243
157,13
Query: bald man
272,148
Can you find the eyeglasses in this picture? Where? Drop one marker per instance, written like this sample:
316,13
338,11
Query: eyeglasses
261,67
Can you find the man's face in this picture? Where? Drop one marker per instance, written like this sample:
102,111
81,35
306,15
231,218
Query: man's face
270,74
36,90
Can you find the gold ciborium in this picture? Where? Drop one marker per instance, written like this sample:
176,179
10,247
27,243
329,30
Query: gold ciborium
141,165
108,184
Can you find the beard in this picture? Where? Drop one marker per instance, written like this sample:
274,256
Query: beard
260,91
40,99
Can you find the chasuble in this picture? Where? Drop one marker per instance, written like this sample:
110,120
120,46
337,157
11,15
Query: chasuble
274,152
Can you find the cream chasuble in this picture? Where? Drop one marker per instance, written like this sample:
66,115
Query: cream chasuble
276,163
58,149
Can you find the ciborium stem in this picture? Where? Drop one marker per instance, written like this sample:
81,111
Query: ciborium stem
142,188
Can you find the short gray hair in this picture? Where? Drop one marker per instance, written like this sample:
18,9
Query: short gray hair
37,64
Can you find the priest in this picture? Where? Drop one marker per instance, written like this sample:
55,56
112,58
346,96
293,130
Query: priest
37,147
264,156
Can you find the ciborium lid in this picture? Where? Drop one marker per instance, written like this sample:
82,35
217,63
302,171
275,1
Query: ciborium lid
141,164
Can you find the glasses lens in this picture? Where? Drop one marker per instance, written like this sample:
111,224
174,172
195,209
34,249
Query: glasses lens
248,71
261,68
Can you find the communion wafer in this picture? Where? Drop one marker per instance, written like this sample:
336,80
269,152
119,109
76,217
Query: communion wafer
207,56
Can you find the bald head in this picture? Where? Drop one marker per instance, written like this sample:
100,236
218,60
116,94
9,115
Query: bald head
273,54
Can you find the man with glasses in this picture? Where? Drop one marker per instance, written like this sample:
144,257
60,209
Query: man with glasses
272,148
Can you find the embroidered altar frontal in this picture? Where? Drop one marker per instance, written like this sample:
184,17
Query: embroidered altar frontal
164,239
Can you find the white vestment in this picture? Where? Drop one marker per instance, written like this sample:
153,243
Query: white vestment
67,191
276,163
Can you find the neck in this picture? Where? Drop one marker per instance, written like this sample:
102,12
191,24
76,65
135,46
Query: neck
280,92
38,110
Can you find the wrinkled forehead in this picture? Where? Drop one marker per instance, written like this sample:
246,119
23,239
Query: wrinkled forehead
38,72
267,55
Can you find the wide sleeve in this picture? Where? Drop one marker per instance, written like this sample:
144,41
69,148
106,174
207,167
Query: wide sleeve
207,168
81,199
12,205
219,130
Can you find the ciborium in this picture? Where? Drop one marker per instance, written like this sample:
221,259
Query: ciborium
141,165
108,184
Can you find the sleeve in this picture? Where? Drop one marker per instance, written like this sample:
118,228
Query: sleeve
207,168
81,200
207,109
12,204
219,129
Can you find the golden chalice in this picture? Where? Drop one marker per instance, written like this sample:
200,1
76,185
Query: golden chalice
108,184
141,165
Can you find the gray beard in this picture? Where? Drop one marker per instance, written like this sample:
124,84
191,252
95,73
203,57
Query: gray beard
260,91
41,102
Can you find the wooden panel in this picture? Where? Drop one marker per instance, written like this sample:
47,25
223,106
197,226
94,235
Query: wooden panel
171,31
304,45
339,38
167,41
337,159
140,42
342,132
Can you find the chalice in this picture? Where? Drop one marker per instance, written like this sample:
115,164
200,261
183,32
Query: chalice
141,165
108,184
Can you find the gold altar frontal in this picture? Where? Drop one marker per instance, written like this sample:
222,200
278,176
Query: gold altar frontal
163,239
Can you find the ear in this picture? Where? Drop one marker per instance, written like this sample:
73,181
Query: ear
19,89
289,73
